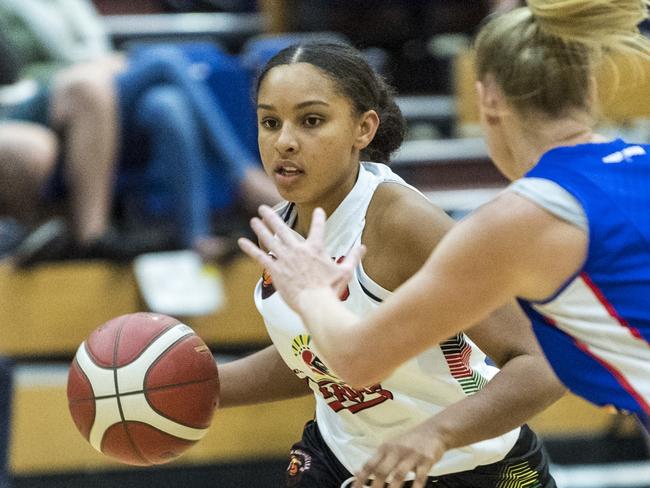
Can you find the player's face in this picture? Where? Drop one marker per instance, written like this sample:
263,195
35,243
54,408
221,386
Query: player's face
308,135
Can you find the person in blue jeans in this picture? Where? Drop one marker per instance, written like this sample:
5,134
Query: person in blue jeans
180,159
193,152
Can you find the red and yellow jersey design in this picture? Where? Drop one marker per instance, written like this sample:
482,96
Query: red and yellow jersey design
338,395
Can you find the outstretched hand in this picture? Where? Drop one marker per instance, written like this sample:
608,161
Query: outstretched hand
415,451
295,264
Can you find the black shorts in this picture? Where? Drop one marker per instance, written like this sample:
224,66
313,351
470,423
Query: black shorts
313,465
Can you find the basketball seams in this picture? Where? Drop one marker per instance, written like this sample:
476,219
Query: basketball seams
123,322
75,362
136,412
153,427
96,374
92,357
116,347
116,343
161,357
134,447
163,352
119,321
81,401
132,375
115,351
81,405
186,383
117,362
154,389
164,415
145,346
150,452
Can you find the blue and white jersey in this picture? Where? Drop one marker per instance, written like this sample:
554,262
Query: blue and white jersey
595,330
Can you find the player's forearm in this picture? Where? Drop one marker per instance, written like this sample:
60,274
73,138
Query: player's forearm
348,344
335,335
261,377
523,388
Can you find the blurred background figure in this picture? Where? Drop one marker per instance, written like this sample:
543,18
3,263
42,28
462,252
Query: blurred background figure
124,126
418,37
73,106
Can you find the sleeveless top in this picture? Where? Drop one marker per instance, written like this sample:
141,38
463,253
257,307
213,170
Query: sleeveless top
595,330
353,422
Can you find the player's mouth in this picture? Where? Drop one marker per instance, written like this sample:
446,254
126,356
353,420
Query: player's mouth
285,173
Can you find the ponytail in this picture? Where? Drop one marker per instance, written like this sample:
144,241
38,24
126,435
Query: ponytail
544,56
391,130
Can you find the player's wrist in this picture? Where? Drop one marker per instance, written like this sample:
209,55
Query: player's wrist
311,302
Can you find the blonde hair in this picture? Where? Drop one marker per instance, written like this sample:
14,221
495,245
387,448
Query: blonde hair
543,56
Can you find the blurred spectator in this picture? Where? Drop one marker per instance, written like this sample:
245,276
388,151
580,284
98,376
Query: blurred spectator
403,28
183,138
32,150
210,5
47,38
505,5
176,124
129,7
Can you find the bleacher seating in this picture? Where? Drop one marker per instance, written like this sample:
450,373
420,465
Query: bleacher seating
49,310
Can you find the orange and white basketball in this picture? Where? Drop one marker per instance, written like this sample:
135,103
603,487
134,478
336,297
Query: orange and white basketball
143,388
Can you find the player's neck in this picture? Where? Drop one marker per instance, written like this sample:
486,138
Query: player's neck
530,145
303,219
328,201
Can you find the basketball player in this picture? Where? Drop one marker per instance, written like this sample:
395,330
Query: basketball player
570,237
320,109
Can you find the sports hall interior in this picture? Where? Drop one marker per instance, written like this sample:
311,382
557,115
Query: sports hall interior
47,309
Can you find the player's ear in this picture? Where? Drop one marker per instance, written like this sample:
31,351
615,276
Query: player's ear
366,129
491,100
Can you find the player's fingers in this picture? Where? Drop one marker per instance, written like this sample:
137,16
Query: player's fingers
401,470
276,225
266,238
316,235
383,470
355,256
249,248
422,470
363,476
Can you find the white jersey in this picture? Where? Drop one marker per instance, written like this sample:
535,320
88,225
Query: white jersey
353,422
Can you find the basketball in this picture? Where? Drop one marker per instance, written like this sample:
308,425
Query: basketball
142,388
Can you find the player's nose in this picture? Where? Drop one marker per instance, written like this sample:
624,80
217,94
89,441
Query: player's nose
287,142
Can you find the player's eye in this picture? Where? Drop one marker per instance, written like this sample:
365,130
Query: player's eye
313,121
270,123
